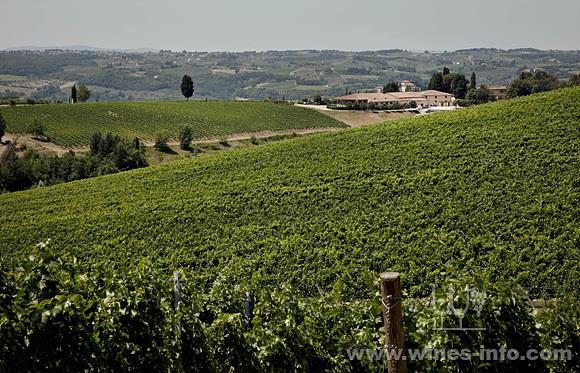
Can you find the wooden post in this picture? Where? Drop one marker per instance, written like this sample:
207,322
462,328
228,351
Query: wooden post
176,288
393,319
248,309
177,299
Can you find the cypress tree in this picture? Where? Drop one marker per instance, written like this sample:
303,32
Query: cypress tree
2,127
73,94
473,81
436,82
187,87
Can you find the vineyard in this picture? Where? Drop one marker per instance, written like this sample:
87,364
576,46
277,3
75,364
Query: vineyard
487,196
72,125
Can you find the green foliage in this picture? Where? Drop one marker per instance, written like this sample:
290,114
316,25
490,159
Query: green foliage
73,94
62,317
449,82
36,130
161,140
62,313
489,190
187,86
436,82
83,93
185,137
455,84
73,125
391,87
504,318
341,205
559,326
473,81
528,83
478,96
108,154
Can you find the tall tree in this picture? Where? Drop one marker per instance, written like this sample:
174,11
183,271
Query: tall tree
187,87
473,81
2,127
446,71
83,93
436,82
480,95
73,94
528,83
391,87
459,86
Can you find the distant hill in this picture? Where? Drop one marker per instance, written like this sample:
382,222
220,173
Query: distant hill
492,189
118,76
80,48
72,125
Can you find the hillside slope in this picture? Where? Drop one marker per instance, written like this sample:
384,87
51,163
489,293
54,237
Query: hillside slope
72,125
492,188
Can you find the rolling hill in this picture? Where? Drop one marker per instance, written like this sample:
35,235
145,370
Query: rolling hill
484,198
72,125
492,188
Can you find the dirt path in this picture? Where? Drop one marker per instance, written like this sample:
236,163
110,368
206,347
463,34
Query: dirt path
40,146
358,118
258,135
50,148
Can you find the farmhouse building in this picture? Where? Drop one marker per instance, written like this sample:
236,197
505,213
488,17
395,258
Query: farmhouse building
422,99
498,91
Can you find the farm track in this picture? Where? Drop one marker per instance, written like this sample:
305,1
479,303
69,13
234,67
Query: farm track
258,135
48,147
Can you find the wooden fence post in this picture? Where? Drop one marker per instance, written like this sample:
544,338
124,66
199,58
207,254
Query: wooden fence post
248,309
177,299
176,288
393,320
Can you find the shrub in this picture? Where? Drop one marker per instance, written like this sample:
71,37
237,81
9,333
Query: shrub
185,137
161,140
36,130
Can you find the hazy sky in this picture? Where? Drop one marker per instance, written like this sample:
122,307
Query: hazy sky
237,25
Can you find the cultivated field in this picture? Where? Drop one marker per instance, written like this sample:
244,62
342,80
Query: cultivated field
72,125
496,181
487,196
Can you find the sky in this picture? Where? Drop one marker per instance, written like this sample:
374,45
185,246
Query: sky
241,25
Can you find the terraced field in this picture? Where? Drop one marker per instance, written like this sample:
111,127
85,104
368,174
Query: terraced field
72,125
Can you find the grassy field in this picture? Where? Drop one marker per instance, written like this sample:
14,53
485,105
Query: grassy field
72,125
11,78
492,189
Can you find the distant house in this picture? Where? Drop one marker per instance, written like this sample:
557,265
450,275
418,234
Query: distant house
422,99
408,86
498,91
405,86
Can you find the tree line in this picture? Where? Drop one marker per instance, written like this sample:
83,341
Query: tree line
107,154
